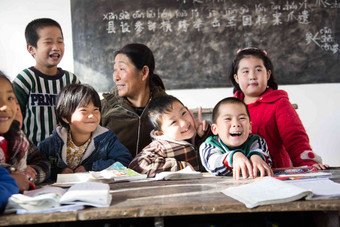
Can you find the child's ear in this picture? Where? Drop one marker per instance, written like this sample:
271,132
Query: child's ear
65,120
268,74
214,129
158,133
31,50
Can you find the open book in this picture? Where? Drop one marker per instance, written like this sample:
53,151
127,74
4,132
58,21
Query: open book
114,173
267,190
118,172
40,200
322,188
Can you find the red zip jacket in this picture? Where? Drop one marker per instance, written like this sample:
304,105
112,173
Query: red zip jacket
274,118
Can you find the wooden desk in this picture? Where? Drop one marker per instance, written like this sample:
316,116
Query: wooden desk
159,199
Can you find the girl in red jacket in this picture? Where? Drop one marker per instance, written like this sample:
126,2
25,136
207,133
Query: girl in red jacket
273,116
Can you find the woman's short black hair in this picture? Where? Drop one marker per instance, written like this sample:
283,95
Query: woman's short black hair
73,96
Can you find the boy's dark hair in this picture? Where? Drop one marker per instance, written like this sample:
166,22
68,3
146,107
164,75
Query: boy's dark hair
216,110
158,106
255,52
140,55
73,96
31,31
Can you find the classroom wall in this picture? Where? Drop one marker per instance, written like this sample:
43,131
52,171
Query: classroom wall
319,106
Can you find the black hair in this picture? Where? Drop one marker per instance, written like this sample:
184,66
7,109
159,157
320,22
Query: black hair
73,96
158,106
140,55
258,53
2,75
31,31
216,110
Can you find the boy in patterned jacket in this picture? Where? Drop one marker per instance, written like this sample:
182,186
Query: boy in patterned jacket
232,149
37,87
176,137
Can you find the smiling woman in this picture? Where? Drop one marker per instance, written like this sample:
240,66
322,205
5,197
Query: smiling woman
124,109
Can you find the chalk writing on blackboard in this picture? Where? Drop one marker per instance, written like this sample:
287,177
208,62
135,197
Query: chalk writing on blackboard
194,41
273,13
323,39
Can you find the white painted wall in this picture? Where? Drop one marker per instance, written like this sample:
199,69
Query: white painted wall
319,105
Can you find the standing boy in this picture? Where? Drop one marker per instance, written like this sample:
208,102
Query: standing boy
232,149
37,87
175,134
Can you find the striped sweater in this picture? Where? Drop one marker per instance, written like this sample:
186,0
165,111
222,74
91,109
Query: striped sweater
37,95
214,153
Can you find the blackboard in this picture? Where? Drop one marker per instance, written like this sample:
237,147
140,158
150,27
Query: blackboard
194,41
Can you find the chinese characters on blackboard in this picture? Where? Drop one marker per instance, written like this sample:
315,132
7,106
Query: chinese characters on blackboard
154,20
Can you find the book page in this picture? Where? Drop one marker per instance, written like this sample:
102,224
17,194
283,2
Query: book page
186,173
322,188
88,193
266,190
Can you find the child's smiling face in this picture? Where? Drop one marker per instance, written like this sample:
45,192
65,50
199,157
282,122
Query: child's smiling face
232,124
8,105
84,120
50,48
177,124
252,76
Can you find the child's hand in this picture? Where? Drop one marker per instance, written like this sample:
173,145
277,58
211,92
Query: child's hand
67,170
200,125
321,166
80,169
260,165
21,180
31,173
241,163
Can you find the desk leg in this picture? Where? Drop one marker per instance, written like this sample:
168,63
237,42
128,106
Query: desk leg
159,222
327,219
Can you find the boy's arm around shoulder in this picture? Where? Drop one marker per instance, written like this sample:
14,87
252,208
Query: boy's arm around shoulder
213,157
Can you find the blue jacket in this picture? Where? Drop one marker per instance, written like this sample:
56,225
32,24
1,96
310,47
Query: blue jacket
103,150
8,186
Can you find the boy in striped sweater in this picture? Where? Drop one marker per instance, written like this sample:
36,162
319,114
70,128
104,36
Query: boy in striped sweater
232,149
37,87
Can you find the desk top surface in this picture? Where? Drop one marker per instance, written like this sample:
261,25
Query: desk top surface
172,198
